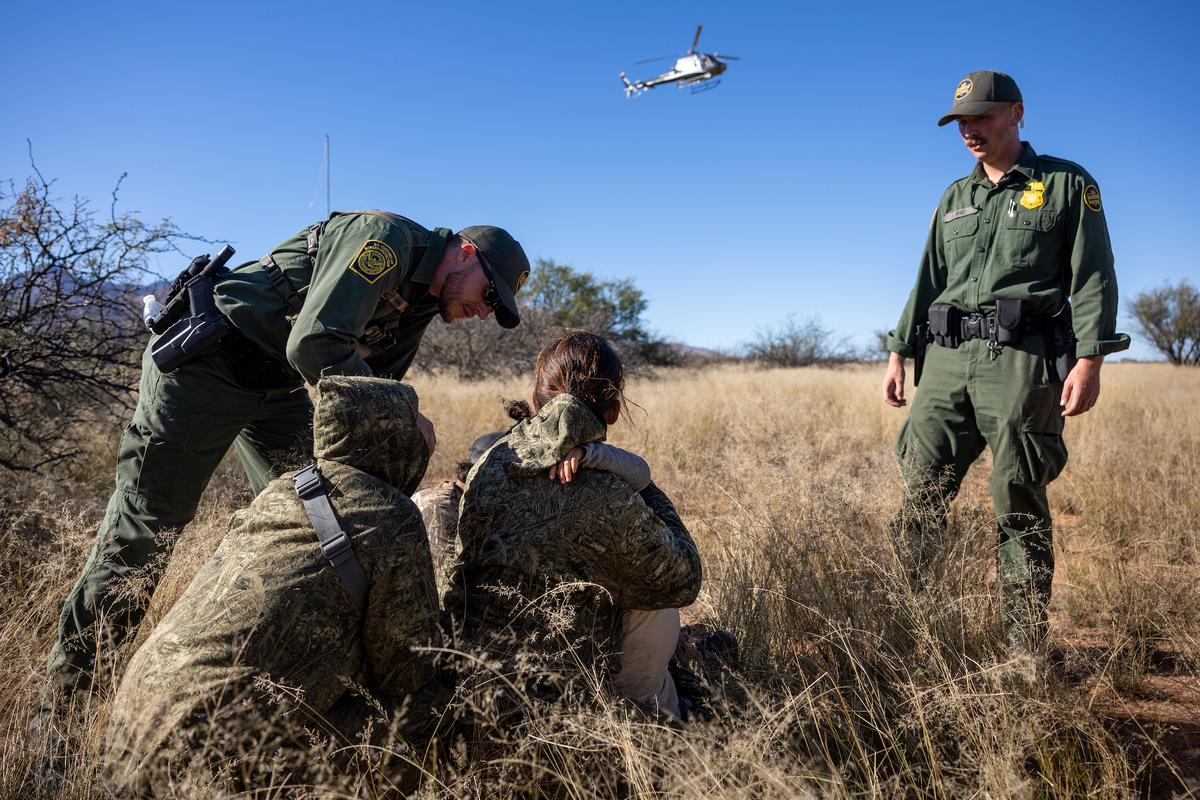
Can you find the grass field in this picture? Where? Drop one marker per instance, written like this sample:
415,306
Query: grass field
850,686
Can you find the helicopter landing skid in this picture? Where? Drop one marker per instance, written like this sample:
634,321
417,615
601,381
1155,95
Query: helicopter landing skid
707,86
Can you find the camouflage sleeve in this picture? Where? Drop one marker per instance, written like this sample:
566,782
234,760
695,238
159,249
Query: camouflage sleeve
1093,280
931,281
439,510
661,565
402,607
360,258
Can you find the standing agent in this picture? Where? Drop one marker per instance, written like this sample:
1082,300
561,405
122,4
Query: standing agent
351,295
1015,282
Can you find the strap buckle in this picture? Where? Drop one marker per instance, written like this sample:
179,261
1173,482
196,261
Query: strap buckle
307,481
337,550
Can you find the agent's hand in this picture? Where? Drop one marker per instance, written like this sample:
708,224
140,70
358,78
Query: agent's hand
426,429
1081,389
893,382
564,471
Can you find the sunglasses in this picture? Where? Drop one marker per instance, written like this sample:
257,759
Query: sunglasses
491,296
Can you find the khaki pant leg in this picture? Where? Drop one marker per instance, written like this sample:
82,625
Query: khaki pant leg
1020,417
182,427
649,642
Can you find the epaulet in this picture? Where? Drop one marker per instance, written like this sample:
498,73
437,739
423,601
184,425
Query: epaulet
963,180
1071,166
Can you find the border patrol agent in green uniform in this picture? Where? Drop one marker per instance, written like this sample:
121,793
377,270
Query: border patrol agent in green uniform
1016,250
351,295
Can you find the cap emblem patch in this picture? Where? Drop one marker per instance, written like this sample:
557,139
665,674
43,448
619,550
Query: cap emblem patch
1033,196
521,280
1091,197
963,89
373,260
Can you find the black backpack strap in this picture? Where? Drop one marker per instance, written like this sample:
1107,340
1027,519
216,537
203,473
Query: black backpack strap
335,544
283,286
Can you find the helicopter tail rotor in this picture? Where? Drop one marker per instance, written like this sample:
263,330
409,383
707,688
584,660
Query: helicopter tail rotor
631,89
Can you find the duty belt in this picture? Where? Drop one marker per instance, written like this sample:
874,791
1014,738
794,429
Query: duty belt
983,326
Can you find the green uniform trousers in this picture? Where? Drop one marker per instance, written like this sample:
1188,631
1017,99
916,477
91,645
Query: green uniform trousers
181,429
968,398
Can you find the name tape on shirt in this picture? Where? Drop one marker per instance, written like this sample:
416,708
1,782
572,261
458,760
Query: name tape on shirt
1091,197
373,260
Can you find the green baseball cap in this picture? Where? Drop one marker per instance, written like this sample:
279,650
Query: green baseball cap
508,264
979,93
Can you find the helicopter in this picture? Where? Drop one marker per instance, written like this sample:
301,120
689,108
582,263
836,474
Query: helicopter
691,69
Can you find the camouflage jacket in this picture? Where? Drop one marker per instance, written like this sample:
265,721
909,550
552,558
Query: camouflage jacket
553,566
439,508
269,606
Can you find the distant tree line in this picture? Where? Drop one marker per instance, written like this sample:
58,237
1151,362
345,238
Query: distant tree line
71,333
556,298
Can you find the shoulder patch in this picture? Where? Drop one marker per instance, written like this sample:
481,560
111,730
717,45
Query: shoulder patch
373,260
1091,197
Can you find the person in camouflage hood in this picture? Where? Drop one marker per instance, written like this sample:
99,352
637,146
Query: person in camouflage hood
439,508
269,615
549,573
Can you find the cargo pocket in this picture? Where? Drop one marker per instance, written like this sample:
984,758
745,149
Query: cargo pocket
900,446
1043,456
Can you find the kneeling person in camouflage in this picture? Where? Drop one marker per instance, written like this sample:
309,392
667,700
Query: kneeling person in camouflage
281,610
439,508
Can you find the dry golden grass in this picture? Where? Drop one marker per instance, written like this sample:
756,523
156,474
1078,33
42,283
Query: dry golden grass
852,686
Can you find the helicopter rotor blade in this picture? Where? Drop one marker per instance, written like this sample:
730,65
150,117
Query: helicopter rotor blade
725,57
696,40
652,60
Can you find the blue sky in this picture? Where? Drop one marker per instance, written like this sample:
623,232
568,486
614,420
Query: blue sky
802,185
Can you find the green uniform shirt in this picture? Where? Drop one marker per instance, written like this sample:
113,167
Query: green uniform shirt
1038,236
367,265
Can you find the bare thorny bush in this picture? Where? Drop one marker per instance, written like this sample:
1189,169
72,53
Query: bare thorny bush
70,330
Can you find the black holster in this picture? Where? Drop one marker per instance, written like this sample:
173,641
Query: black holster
183,338
920,345
194,335
1060,346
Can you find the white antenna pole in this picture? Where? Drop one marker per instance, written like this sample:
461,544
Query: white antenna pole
328,209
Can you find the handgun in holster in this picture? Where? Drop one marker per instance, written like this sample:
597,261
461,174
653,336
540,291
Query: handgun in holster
182,338
1060,346
920,345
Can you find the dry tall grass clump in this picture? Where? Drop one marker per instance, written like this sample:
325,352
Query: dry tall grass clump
849,685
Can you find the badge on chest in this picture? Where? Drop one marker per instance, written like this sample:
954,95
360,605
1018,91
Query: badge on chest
1034,195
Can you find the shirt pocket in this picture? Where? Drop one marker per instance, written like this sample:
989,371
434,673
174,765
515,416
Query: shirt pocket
958,237
1028,238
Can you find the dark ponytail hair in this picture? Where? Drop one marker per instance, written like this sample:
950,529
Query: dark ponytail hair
580,364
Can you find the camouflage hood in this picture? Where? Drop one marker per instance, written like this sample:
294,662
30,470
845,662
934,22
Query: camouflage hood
371,424
541,441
